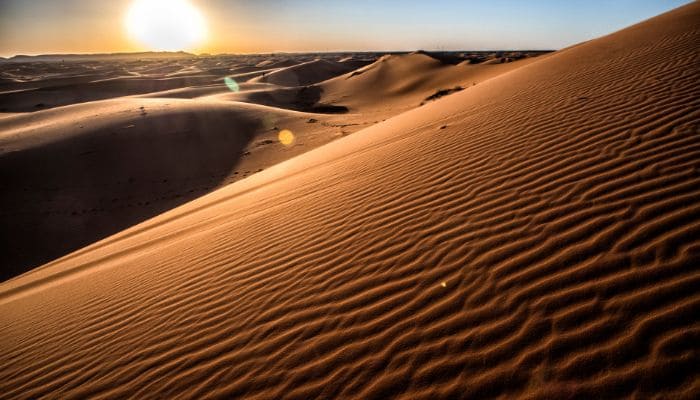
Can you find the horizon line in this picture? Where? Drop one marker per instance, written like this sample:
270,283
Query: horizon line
207,54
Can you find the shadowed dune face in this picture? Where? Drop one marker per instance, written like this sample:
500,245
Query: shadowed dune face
305,74
60,194
535,236
306,98
74,169
65,94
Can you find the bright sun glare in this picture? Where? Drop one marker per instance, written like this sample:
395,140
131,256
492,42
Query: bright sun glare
166,25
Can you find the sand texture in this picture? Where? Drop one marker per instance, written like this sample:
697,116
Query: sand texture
536,235
93,147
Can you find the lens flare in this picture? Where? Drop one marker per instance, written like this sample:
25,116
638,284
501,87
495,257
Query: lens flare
232,84
286,137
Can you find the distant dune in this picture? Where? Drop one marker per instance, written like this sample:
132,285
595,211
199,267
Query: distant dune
99,57
304,74
62,95
536,235
401,82
387,87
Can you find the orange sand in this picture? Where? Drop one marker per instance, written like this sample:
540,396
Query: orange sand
535,236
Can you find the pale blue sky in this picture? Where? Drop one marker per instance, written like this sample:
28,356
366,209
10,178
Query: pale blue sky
43,26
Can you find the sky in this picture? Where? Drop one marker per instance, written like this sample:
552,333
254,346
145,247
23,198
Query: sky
262,26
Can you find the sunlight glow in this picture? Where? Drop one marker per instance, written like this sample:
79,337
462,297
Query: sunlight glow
166,25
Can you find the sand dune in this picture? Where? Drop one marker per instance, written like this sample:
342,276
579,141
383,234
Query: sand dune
390,86
152,55
276,64
74,175
304,98
28,87
534,236
49,191
78,167
67,184
401,82
305,74
56,96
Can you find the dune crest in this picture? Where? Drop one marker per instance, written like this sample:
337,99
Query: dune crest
304,74
535,236
397,83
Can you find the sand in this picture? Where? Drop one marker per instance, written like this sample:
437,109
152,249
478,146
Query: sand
105,146
398,83
305,73
97,147
532,236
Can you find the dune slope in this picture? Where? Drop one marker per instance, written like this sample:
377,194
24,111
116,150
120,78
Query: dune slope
535,236
401,82
73,175
304,74
376,92
70,93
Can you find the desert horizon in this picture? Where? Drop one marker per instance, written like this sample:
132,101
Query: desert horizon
187,214
182,53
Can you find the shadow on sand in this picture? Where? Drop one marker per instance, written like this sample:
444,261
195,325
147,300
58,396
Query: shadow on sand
303,98
58,197
58,95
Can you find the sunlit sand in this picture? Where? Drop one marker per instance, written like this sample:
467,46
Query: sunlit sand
355,225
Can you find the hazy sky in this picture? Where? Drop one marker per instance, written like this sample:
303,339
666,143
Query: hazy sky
88,26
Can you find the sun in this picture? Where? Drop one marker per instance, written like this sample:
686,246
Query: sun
166,25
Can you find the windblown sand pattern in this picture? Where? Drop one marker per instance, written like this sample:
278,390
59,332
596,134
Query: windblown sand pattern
534,236
99,145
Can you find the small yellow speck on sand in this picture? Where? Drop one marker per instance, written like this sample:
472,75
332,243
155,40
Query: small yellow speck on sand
443,284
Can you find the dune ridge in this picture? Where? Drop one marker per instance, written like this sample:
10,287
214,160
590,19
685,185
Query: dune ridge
398,83
535,236
304,74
